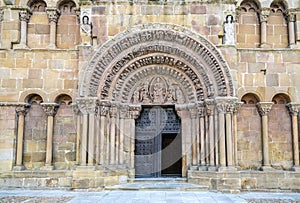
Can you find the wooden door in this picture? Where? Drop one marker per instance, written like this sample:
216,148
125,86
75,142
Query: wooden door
153,123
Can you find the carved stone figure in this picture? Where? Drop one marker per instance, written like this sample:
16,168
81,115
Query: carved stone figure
229,31
86,31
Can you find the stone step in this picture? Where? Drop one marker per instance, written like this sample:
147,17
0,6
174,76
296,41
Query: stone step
154,185
160,179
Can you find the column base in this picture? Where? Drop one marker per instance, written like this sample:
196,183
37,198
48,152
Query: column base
47,168
194,168
85,168
227,169
265,45
202,168
293,46
131,173
51,46
211,168
267,168
20,46
295,168
19,168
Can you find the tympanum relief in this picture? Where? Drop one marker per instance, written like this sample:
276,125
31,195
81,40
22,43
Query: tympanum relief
157,90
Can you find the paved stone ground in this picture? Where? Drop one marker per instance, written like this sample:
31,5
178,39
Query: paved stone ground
116,196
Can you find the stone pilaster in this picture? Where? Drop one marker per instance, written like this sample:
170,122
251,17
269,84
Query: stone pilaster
21,111
264,108
50,110
291,29
294,111
264,16
134,112
210,138
24,17
183,112
53,15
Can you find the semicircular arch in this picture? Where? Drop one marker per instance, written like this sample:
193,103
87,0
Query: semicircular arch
176,42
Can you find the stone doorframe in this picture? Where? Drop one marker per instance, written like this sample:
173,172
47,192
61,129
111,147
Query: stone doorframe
156,64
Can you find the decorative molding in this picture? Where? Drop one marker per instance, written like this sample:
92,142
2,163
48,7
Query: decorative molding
264,108
88,105
50,108
142,40
134,111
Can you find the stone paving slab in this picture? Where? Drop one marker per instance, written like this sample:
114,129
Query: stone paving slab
61,196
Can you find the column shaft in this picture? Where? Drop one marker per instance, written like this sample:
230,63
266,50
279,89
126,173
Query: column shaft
112,157
202,142
102,139
49,141
121,151
91,139
229,139
211,141
222,140
234,124
295,140
19,158
266,161
78,140
84,140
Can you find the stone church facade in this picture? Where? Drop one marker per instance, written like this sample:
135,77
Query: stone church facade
98,93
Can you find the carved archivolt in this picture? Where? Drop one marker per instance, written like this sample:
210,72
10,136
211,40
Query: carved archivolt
161,45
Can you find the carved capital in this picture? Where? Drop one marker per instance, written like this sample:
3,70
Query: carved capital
264,14
53,14
113,111
237,106
104,107
22,109
24,15
201,109
124,111
226,104
193,110
50,108
264,108
180,108
210,106
134,111
75,108
88,105
291,17
293,108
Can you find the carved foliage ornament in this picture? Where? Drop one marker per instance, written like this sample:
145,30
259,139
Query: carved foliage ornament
53,15
264,108
50,108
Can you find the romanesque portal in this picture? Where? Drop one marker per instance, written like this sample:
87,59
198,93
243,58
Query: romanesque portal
182,86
